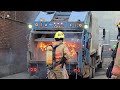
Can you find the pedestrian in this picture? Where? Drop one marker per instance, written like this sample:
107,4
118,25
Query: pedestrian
58,54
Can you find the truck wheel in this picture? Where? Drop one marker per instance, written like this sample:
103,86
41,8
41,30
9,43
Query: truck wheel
93,72
93,68
90,73
100,65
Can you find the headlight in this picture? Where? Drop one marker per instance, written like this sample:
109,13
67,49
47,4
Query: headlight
80,25
86,26
30,26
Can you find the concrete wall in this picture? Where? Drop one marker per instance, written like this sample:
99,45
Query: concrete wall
13,43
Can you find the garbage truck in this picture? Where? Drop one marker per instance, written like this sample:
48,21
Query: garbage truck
81,31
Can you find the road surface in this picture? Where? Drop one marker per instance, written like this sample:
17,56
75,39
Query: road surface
100,73
23,75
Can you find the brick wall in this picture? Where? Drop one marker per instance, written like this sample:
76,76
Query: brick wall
13,43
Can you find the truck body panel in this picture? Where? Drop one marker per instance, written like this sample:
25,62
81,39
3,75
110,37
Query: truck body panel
95,34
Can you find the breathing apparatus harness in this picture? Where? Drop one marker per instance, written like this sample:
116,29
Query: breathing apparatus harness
54,63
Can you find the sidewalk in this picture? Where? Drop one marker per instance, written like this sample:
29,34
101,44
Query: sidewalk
23,75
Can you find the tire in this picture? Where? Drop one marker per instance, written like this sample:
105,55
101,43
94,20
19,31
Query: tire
93,72
100,65
93,68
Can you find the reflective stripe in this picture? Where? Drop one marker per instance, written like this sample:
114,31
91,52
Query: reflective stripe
67,51
60,51
57,55
118,51
116,70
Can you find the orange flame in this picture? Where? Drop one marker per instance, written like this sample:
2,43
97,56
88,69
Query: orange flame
72,46
43,45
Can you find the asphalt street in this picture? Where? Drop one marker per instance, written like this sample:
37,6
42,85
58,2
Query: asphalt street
100,73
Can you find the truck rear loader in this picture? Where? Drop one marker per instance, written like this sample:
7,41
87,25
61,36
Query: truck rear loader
81,37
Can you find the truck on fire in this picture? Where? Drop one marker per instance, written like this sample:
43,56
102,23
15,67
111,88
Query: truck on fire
81,36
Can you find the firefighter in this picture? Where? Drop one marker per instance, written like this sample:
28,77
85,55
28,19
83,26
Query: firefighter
116,67
61,54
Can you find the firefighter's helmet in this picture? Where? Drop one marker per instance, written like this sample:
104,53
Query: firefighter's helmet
118,25
59,35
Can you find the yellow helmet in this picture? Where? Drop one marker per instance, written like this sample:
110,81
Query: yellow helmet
59,34
118,25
